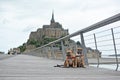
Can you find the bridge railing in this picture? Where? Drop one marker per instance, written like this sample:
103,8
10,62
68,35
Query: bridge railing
98,41
107,42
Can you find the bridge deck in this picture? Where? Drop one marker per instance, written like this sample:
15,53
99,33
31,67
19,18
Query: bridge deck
24,67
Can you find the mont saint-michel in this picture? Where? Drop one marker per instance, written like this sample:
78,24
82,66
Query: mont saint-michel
49,33
44,35
54,30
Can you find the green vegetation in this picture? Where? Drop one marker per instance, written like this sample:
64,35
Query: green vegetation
34,42
47,40
22,47
37,43
40,43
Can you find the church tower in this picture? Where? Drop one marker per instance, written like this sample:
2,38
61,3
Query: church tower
52,20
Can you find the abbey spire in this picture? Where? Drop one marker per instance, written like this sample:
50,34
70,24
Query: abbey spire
52,20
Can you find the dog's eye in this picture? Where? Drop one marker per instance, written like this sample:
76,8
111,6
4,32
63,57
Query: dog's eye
68,53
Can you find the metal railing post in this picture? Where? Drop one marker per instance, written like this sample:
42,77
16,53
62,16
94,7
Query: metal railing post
52,54
115,49
96,49
40,52
43,52
84,48
63,50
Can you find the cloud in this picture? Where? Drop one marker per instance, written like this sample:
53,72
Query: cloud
19,17
28,28
5,21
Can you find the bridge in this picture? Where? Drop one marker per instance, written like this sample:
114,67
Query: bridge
39,63
26,67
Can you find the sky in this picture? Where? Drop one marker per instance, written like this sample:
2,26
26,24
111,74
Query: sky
19,17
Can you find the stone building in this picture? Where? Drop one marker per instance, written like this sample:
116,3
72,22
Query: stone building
54,30
14,51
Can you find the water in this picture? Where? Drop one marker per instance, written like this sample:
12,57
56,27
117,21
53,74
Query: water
107,66
106,56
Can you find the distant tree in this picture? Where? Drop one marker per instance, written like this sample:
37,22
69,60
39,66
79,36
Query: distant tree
40,43
32,41
22,47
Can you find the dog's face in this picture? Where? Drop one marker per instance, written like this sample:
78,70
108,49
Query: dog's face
79,51
68,54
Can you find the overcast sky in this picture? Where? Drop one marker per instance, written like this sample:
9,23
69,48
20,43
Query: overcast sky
19,17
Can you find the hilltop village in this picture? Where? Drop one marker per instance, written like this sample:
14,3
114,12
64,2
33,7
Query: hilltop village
47,34
42,36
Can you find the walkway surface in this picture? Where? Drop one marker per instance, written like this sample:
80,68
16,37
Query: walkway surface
25,67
